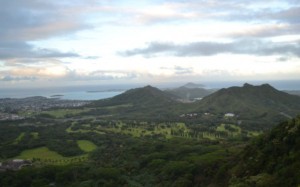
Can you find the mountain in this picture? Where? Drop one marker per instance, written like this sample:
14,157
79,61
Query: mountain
142,102
147,95
190,91
272,159
252,103
193,85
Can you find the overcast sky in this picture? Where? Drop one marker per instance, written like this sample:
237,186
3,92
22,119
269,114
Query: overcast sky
74,42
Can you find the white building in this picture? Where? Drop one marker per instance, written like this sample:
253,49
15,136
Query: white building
229,115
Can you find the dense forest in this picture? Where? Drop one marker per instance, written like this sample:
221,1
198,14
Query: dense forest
124,160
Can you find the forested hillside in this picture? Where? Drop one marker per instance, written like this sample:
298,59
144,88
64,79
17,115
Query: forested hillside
272,159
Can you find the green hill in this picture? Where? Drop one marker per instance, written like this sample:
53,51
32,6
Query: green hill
193,85
189,92
146,102
256,103
146,96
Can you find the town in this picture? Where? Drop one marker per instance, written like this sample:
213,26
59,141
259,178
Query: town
10,108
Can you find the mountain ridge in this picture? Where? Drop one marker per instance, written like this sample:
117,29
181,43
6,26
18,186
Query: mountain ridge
190,91
146,102
250,102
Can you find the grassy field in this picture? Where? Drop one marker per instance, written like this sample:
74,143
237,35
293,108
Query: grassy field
117,106
35,135
60,113
237,130
41,153
45,156
86,146
27,113
143,129
69,130
19,138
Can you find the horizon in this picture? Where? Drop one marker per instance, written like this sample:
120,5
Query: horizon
95,92
48,44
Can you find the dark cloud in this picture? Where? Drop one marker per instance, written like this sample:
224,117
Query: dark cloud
253,47
18,78
179,70
33,19
290,15
73,75
183,70
29,20
15,50
266,31
91,57
282,59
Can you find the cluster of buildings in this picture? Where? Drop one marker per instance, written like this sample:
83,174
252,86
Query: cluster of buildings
14,164
192,115
38,103
6,116
10,107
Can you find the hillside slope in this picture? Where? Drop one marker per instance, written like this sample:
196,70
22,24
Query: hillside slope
189,93
146,102
252,103
272,159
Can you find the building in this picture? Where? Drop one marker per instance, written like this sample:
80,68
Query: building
229,115
15,164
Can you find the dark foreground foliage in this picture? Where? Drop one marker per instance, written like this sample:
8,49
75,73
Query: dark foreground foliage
272,159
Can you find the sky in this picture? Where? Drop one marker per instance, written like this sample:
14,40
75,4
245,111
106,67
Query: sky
46,43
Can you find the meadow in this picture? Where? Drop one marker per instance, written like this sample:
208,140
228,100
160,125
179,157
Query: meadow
61,113
43,155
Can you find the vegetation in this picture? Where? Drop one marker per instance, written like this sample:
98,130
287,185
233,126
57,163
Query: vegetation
271,159
40,153
256,107
190,93
44,156
61,113
86,145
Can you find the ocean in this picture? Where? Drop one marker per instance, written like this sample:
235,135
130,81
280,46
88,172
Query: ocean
70,95
62,93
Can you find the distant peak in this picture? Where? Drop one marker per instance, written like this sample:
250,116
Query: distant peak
149,87
247,85
266,85
193,85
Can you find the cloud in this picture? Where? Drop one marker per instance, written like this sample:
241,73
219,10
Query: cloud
15,50
183,70
231,10
91,57
9,78
253,47
179,70
62,73
75,75
32,20
264,31
290,15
